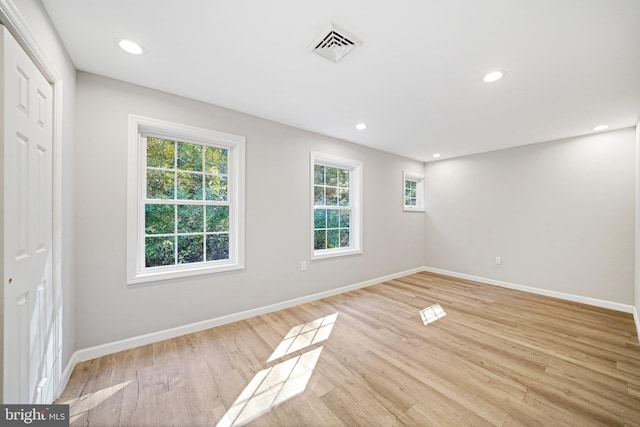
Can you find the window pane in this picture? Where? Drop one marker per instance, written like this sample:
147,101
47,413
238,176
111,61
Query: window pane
318,175
216,187
332,196
217,219
189,156
160,184
333,239
190,249
343,178
215,160
159,251
344,238
217,247
318,196
332,176
344,218
319,218
190,219
189,186
410,192
410,184
159,219
343,197
333,218
319,239
160,153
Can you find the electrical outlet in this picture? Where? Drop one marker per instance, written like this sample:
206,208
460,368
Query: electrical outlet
498,260
303,265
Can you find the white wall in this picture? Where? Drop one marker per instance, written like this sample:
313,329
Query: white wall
55,54
277,220
560,214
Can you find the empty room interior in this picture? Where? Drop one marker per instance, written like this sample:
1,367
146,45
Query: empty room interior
340,213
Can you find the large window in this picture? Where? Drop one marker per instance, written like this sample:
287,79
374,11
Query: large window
336,188
186,201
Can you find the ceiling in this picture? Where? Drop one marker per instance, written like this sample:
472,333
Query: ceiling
416,81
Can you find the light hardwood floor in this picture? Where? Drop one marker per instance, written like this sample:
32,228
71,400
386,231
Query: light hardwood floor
499,357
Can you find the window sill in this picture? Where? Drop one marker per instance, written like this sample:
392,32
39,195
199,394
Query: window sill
333,253
155,276
412,209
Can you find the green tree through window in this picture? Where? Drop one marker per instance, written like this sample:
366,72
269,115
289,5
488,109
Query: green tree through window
332,210
410,193
186,216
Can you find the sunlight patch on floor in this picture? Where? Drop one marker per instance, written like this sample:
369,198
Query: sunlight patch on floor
432,313
83,404
305,335
279,383
270,387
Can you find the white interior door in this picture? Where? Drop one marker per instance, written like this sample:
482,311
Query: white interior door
28,304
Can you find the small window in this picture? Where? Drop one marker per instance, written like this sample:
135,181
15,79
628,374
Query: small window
413,192
336,188
186,201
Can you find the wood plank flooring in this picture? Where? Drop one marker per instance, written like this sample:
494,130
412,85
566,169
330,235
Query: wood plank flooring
498,358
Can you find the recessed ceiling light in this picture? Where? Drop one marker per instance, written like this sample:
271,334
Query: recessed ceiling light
494,76
361,126
130,46
436,155
601,127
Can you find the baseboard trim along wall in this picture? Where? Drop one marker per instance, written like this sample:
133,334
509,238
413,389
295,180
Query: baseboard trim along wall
66,374
636,317
126,344
626,308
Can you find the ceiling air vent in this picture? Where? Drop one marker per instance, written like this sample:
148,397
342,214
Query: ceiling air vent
334,43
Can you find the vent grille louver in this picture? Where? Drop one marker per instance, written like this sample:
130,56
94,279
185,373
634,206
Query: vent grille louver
334,43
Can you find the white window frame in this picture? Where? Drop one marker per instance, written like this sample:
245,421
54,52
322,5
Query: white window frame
139,127
355,203
419,180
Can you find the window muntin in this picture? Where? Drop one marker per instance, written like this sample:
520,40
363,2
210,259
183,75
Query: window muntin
186,201
336,206
412,192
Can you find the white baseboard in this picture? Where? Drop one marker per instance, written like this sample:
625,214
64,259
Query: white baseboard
126,344
636,317
66,374
569,297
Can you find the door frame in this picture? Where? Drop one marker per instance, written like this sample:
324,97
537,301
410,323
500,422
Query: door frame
15,23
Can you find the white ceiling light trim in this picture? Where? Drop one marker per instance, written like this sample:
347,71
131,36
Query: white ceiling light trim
361,126
494,76
334,43
130,46
436,155
601,127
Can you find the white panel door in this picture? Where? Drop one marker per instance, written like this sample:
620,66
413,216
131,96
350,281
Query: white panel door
27,138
